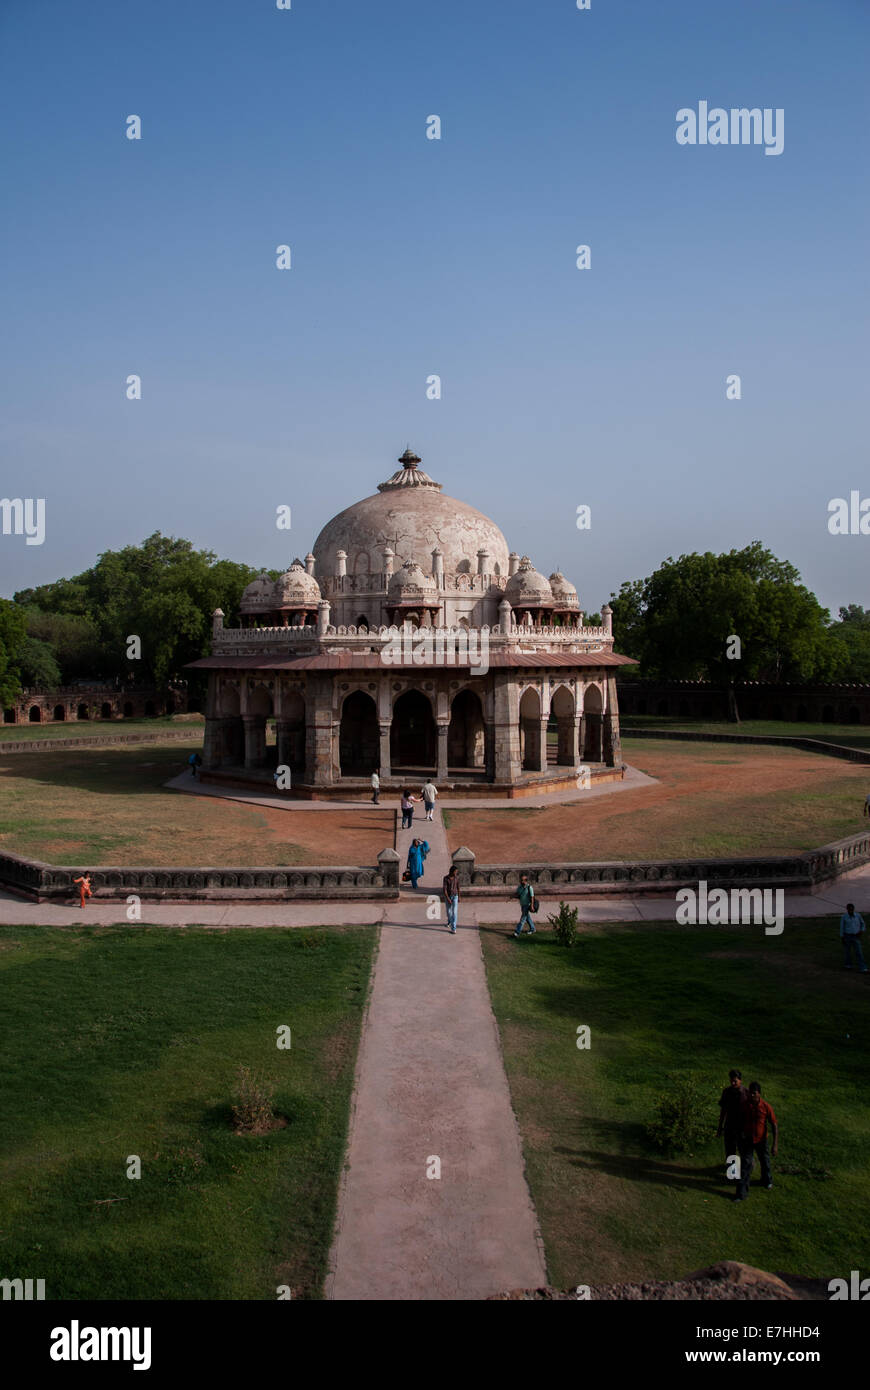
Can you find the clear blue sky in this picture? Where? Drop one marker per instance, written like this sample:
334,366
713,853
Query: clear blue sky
412,257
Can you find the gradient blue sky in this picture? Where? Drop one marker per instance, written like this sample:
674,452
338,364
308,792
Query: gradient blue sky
412,257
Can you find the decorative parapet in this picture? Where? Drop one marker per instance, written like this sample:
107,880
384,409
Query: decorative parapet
53,882
798,871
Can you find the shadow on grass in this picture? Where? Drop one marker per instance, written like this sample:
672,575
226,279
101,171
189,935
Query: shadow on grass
647,1169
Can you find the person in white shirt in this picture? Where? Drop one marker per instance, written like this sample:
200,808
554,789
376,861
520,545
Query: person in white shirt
376,789
851,927
430,792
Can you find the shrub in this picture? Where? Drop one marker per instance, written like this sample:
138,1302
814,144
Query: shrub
252,1110
564,924
682,1119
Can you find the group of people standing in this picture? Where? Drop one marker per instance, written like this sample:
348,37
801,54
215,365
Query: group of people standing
746,1120
428,793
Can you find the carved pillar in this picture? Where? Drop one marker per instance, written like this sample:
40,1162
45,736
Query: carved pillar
489,749
506,729
384,730
213,743
283,730
568,730
255,740
542,744
612,739
441,773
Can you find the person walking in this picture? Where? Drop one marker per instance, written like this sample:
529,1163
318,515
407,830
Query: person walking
416,854
84,889
731,1104
450,891
429,792
526,896
867,804
407,804
851,927
376,788
194,761
756,1117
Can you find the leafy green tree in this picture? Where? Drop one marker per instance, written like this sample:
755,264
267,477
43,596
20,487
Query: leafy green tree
12,637
38,665
681,622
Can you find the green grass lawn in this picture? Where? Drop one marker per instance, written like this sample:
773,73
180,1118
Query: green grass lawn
852,735
128,1041
662,1001
101,728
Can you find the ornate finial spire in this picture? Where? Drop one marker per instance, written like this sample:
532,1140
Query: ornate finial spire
409,459
410,474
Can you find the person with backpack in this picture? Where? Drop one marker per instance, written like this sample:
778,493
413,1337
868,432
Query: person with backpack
194,760
526,895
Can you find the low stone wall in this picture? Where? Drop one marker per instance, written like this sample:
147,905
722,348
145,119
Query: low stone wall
44,745
809,745
54,882
791,871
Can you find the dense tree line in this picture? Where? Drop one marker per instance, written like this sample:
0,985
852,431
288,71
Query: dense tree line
162,591
680,623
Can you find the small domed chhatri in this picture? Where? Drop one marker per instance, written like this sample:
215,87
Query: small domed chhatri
413,641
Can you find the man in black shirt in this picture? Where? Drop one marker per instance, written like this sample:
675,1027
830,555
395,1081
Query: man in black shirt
730,1112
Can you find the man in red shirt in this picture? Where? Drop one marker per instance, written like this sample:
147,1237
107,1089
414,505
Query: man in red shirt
756,1117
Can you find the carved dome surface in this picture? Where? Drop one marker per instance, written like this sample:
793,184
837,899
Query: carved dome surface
527,586
259,594
297,588
563,591
410,581
410,514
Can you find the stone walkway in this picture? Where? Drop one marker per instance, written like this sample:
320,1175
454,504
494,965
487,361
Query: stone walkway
432,1097
632,780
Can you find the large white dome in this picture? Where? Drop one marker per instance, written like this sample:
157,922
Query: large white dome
410,514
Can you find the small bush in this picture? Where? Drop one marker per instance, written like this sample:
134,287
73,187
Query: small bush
682,1119
564,924
252,1110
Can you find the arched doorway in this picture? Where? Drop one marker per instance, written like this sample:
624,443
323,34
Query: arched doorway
531,742
562,713
59,712
593,750
359,739
465,735
105,710
9,716
83,712
412,734
35,715
128,710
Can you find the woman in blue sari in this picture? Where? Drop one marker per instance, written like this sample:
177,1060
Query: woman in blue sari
416,854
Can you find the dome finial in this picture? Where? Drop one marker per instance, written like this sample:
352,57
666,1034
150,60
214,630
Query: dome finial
409,459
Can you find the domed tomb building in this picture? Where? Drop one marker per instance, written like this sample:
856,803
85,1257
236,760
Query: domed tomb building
412,641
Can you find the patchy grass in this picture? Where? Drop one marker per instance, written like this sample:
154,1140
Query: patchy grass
103,728
711,799
659,1001
120,1042
111,806
849,735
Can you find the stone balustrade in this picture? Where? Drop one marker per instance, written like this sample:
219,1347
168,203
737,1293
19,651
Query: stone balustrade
53,882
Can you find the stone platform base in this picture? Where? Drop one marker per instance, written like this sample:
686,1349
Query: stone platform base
456,788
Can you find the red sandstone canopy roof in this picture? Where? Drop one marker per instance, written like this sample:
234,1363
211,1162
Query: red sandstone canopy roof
372,661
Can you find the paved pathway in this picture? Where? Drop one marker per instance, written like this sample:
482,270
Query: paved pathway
633,779
431,1089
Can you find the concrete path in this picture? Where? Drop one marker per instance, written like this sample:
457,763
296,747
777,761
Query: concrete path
633,779
432,1097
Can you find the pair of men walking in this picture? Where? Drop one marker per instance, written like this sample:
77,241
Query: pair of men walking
745,1119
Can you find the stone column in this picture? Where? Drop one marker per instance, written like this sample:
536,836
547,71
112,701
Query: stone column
542,743
213,743
612,739
283,734
255,740
489,749
568,729
385,772
506,730
441,773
